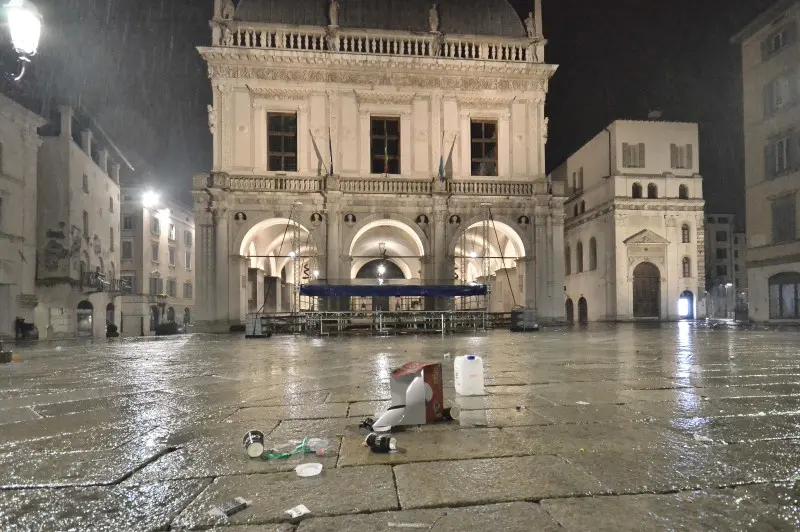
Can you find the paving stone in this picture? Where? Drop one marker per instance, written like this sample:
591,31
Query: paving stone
601,413
422,446
717,510
463,482
368,408
368,489
15,415
119,401
145,508
509,517
322,411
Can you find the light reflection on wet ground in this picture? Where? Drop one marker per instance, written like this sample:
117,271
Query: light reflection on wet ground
674,426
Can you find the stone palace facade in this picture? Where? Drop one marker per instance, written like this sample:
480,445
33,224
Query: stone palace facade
343,135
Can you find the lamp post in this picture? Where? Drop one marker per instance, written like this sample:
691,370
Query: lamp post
25,29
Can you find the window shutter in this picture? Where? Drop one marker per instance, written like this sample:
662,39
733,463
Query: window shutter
769,161
769,98
673,155
689,158
626,155
642,162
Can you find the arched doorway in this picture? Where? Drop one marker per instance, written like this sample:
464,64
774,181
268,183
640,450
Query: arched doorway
583,311
187,316
154,317
487,252
85,315
646,291
686,305
110,314
170,315
379,269
570,308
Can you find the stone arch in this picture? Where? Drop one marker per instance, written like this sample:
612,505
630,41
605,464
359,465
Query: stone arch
399,222
507,243
360,263
249,231
501,222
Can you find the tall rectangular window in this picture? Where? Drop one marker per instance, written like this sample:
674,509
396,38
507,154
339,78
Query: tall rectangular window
722,271
86,183
154,252
127,223
85,223
385,145
127,281
171,256
778,40
155,226
633,155
187,290
171,287
172,233
483,137
784,219
188,261
722,253
127,249
111,238
722,236
681,157
187,239
110,204
282,142
156,286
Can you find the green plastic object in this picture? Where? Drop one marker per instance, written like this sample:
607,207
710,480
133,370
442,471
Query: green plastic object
303,448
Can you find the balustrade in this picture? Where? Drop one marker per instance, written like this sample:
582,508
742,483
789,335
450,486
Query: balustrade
356,41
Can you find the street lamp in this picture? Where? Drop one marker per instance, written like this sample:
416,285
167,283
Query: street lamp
150,199
25,29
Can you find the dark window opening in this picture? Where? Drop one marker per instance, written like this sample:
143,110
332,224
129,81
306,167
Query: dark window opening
282,142
483,136
385,145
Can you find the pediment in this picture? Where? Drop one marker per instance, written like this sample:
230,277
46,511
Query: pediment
646,236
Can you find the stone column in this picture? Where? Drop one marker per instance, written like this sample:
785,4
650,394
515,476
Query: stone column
541,259
205,271
333,243
443,266
259,287
221,310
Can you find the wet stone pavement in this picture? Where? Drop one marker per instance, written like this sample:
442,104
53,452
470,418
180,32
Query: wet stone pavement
672,427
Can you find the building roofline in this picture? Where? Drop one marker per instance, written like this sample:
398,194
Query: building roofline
762,20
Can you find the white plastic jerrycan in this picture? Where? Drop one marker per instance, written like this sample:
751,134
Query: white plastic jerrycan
469,375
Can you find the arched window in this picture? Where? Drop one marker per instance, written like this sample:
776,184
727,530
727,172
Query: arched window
687,267
567,261
636,190
583,207
592,254
686,236
652,191
683,192
579,253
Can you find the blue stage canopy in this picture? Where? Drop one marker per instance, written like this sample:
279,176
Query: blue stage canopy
388,290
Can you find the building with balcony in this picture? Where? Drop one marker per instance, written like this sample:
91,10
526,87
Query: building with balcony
157,260
721,273
771,87
409,136
19,145
78,229
634,237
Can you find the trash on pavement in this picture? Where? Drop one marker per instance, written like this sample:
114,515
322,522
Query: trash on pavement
468,370
367,424
229,508
451,413
253,442
311,469
447,355
704,439
417,396
409,525
582,403
307,446
298,511
5,356
380,443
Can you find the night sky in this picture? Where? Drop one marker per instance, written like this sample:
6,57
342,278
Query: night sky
134,64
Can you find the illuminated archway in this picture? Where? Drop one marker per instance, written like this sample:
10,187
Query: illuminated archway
403,246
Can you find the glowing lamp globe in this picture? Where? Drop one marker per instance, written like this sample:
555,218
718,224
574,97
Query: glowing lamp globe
25,26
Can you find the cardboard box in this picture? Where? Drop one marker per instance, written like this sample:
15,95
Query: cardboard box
417,396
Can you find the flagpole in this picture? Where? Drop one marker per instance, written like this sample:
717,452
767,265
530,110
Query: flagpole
441,158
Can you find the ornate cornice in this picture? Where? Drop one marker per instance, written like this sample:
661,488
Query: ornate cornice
393,71
384,98
280,93
485,102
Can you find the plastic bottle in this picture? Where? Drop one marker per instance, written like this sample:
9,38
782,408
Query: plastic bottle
468,371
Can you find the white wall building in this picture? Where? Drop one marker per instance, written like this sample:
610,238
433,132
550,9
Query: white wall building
770,58
720,271
634,238
157,261
19,144
328,131
78,231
